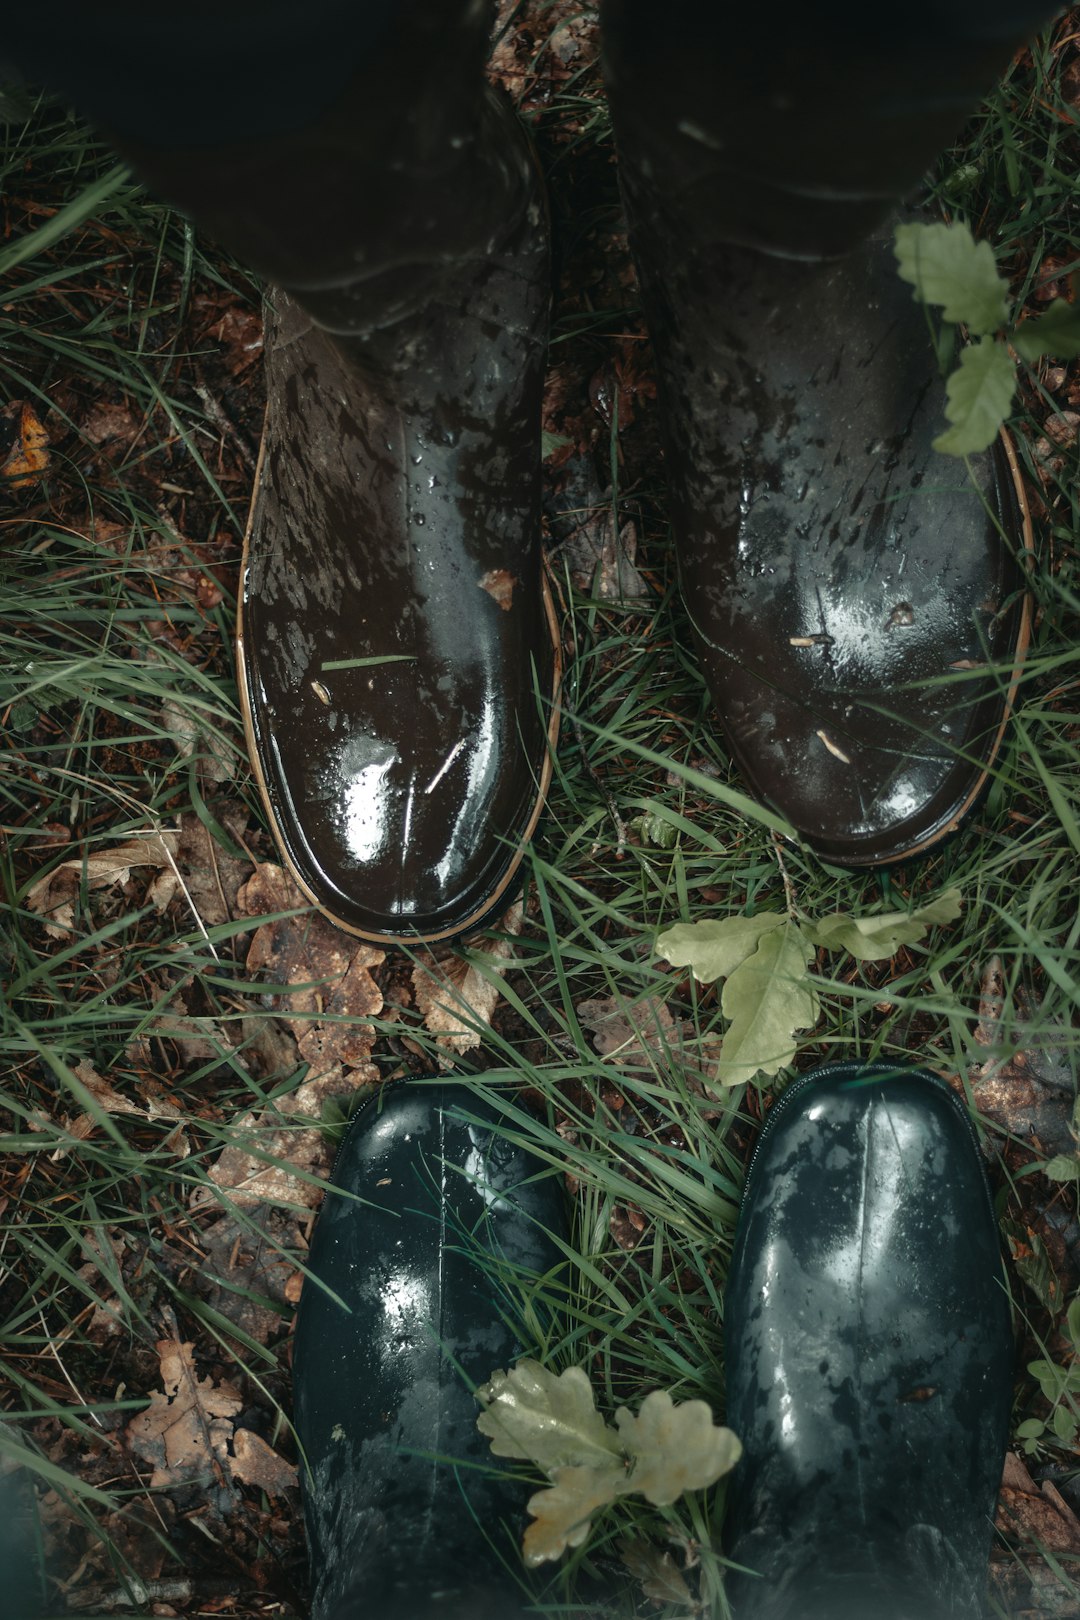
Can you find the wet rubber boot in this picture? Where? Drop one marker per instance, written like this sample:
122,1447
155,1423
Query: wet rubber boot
869,1356
407,1310
856,598
397,649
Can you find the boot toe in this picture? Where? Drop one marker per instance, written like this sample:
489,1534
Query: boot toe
869,1352
398,651
411,1303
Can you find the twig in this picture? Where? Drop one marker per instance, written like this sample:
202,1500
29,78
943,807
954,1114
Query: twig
789,887
225,426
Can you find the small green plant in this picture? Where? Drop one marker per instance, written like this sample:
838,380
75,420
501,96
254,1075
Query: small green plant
551,1420
948,268
765,961
1066,1166
1060,1386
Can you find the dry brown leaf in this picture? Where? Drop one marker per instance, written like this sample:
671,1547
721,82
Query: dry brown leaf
457,998
187,1426
328,1013
237,328
1035,1512
107,422
660,1577
250,1267
632,1034
256,1463
260,1165
1028,1089
335,994
603,562
216,762
101,1091
28,456
213,877
499,584
53,895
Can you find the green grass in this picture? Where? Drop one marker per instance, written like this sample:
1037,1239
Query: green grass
119,708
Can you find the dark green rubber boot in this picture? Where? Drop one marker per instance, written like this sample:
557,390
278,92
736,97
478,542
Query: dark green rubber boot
408,1517
869,1356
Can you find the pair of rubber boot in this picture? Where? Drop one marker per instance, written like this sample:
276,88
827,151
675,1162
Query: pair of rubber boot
856,600
867,1346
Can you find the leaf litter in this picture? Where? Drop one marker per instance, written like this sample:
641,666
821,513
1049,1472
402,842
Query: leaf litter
188,1435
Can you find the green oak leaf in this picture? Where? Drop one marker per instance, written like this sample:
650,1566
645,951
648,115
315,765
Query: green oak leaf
1057,333
946,266
551,1420
715,948
876,939
562,1514
1062,1167
767,998
978,398
674,1448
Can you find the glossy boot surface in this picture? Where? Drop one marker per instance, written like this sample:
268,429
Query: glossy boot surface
397,649
407,1516
856,598
869,1356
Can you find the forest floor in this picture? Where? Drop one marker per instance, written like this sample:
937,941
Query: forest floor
181,1038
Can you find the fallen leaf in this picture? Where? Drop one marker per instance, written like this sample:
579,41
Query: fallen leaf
533,1415
715,948
878,938
601,559
632,1034
947,266
551,1420
105,1096
216,760
457,994
767,999
53,895
262,1161
562,1514
333,994
28,456
102,1092
1025,1085
212,875
499,584
675,1448
256,1463
185,1430
627,1226
249,1268
107,422
237,328
660,1577
1037,1513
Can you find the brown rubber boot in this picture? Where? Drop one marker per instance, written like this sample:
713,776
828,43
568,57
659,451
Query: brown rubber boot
857,599
397,648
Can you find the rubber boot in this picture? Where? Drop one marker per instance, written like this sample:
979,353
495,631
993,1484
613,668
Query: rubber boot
397,649
856,598
869,1356
410,1306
